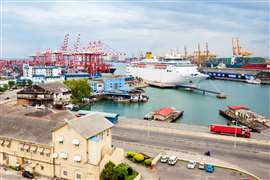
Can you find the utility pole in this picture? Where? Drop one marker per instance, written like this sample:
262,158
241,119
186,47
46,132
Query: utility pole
235,134
199,54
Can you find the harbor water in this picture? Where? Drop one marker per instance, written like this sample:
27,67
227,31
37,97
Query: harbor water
198,109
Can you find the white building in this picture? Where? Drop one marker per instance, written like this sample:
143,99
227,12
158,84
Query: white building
42,74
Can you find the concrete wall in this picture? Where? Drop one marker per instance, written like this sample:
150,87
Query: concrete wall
23,101
116,157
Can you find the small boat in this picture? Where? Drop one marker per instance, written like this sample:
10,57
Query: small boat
167,114
149,116
253,81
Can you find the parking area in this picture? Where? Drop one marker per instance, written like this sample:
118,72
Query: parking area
180,171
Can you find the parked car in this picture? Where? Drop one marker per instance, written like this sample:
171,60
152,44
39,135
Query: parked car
172,160
201,166
27,174
209,168
191,165
164,158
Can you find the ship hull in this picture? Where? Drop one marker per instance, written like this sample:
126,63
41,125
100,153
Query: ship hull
180,76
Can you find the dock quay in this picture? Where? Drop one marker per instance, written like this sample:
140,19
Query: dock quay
238,74
219,95
120,96
246,117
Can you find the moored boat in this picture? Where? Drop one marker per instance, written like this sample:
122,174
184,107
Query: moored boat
167,114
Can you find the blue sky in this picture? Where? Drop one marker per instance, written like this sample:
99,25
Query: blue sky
135,26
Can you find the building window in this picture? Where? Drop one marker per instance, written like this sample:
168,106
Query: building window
42,167
65,173
76,142
108,132
78,176
60,139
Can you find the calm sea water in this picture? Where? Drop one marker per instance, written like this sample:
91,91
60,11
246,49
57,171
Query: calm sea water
198,109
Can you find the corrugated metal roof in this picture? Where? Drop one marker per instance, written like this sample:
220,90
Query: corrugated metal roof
90,125
165,111
237,107
54,87
28,129
104,114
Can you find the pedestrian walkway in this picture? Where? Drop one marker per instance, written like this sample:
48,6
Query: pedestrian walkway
182,129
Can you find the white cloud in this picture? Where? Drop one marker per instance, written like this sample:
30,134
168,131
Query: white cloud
139,28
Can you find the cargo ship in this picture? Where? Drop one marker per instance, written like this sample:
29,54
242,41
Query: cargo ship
239,62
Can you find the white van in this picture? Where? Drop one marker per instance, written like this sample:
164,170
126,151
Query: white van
164,158
172,160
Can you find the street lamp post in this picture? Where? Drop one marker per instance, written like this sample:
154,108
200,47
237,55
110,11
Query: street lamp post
148,131
235,131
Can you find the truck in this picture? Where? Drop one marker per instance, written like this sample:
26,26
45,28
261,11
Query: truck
231,130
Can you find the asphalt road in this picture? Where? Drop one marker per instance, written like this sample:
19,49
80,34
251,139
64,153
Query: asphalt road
253,158
166,172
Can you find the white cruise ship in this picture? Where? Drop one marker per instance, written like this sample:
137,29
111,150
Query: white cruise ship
175,72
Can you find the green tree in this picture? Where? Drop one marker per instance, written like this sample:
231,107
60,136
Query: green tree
5,87
107,172
79,89
1,89
11,84
29,82
120,172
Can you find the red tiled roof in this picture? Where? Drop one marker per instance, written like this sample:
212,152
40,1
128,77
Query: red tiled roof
165,111
237,107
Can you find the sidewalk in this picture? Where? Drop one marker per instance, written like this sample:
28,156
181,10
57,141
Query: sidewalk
182,129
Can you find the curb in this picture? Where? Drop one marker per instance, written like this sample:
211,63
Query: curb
199,134
231,168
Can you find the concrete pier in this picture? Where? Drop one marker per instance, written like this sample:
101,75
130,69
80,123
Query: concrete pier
219,95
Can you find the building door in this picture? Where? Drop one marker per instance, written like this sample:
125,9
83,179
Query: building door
5,159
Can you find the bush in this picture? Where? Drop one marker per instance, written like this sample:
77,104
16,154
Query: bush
130,154
148,162
139,157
